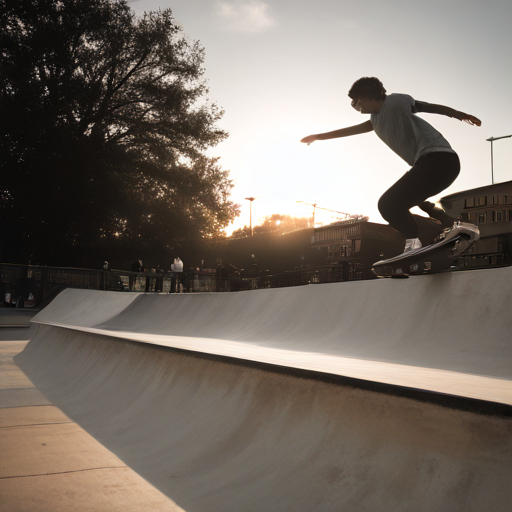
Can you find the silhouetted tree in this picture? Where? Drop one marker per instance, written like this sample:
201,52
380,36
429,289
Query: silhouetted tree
241,232
105,123
278,224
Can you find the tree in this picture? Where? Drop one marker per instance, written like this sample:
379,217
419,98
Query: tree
279,224
241,232
275,224
106,121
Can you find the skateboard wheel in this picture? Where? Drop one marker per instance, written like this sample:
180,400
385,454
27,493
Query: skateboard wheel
414,268
427,265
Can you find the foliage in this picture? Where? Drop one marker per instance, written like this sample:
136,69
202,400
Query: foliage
276,224
106,121
279,224
241,232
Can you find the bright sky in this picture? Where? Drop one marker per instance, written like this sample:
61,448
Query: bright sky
281,70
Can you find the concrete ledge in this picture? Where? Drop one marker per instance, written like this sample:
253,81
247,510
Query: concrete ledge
13,317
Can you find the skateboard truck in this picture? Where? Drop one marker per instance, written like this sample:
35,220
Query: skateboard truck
415,267
398,273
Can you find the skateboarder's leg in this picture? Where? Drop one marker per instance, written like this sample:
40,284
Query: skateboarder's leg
438,214
430,175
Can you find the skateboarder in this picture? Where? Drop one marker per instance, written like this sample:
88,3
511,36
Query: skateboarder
434,164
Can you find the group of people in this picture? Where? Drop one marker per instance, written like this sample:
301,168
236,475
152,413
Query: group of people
176,273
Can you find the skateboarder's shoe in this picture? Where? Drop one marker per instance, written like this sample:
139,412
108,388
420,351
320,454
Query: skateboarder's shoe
456,229
439,256
411,244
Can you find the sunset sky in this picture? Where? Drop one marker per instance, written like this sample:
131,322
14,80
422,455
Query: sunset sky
281,70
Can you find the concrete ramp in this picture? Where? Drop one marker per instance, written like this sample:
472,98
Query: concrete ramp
217,436
447,333
225,402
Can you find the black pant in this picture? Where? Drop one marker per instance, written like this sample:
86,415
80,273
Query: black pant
431,174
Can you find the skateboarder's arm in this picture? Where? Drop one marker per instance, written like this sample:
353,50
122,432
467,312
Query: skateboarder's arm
432,108
343,132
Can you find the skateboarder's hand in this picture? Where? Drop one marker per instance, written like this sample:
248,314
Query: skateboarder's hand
472,120
309,139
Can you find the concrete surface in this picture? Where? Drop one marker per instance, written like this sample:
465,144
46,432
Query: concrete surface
215,436
444,333
86,307
16,317
50,464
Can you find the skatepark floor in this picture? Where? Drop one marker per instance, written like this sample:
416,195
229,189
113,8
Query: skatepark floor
265,400
48,463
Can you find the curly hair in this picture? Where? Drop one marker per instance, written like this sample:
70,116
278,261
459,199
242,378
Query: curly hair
366,87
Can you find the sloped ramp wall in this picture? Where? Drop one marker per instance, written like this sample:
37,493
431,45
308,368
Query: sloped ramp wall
216,436
444,333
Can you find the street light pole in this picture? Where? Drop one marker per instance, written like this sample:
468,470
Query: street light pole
491,140
251,199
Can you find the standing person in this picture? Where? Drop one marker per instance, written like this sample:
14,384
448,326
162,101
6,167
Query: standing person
173,280
177,268
434,164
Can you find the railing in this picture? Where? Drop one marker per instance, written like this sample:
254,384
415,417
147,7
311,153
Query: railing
30,285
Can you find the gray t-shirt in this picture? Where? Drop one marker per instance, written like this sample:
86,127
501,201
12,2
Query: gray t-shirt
408,135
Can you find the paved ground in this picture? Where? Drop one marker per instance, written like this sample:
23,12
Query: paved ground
217,436
16,317
49,463
148,401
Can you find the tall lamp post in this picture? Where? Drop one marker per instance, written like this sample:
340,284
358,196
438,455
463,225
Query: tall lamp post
251,199
491,140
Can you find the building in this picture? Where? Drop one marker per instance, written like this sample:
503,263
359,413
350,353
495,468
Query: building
490,208
354,245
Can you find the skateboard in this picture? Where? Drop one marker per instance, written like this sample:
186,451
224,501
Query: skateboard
440,256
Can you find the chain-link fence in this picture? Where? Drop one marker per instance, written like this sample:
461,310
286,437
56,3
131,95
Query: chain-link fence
26,286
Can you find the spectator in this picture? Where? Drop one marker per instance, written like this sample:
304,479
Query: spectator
137,266
180,277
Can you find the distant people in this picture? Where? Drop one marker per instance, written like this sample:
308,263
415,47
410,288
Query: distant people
159,281
172,275
184,281
179,275
218,277
137,266
178,265
434,164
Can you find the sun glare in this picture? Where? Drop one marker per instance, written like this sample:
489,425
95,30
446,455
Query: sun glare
275,167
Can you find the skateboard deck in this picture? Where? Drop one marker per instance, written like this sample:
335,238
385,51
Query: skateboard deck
437,257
